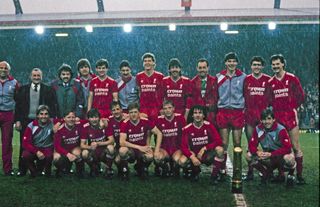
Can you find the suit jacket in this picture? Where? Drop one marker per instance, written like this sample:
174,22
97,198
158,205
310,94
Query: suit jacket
47,97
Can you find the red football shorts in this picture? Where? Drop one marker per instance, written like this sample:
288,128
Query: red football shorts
227,118
289,119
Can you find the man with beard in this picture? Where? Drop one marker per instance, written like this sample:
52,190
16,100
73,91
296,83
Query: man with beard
69,93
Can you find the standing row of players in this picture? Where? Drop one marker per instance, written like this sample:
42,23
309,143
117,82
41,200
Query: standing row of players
231,97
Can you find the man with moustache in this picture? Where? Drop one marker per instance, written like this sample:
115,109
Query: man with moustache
69,93
286,95
127,85
29,98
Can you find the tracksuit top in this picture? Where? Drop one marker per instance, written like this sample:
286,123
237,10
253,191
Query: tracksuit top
7,91
230,90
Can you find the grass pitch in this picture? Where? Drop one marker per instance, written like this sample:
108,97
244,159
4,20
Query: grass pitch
71,191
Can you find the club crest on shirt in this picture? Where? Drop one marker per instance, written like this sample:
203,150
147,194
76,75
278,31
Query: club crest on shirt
162,125
76,132
263,84
205,132
181,86
129,130
154,80
287,82
142,129
63,137
272,85
107,84
90,135
168,86
175,124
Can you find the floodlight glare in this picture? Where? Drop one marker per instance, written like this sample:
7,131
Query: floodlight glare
223,26
61,34
272,25
231,32
172,27
89,28
127,28
39,29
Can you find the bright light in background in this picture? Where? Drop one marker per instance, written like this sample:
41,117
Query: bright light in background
231,32
127,28
223,26
172,27
39,29
61,34
89,28
272,25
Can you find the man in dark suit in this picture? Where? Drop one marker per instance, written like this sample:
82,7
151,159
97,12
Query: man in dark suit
29,97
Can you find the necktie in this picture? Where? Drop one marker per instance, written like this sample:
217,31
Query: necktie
203,87
36,87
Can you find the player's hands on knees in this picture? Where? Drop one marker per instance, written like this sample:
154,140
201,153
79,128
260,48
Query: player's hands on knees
71,157
195,161
201,152
263,155
94,145
40,155
145,149
157,155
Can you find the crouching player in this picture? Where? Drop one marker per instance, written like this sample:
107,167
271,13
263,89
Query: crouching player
97,145
201,143
135,143
114,128
38,143
276,148
170,124
67,146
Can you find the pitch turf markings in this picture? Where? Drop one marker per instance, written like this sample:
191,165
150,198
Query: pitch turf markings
239,197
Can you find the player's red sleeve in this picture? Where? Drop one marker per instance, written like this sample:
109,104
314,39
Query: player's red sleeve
215,139
27,141
254,142
57,144
245,91
298,92
184,143
114,87
286,144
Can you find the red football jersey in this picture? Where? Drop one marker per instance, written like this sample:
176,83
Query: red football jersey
177,91
137,133
255,92
194,138
66,139
171,130
93,134
114,129
102,92
285,94
150,91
